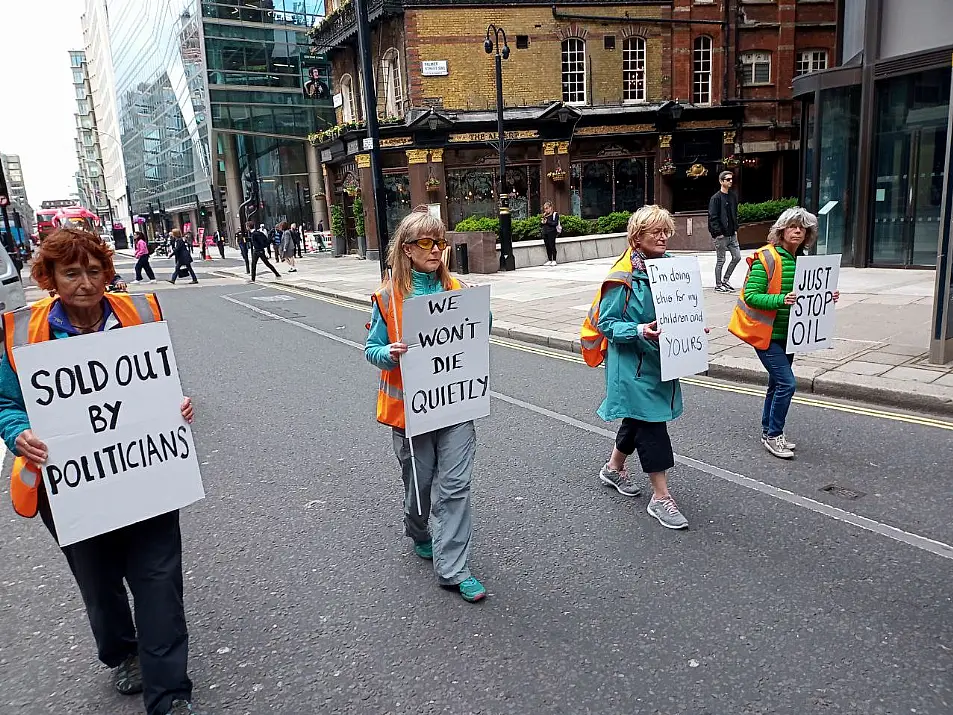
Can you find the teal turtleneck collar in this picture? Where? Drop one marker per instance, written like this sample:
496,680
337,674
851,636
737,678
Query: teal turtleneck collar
425,283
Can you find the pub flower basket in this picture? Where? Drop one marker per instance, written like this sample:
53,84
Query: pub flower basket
557,176
667,168
731,162
433,183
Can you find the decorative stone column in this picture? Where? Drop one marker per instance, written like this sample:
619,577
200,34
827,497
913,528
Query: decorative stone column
233,185
555,158
320,206
366,179
417,173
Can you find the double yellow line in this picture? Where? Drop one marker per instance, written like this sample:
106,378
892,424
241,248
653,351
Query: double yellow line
706,383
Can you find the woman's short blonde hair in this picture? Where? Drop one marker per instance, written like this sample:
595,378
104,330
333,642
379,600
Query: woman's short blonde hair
794,216
647,217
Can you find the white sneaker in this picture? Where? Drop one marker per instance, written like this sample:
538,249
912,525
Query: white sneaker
790,445
153,280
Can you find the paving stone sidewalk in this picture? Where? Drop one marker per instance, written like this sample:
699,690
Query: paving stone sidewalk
880,354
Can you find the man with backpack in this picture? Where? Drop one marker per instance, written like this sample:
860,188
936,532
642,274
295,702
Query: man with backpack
260,243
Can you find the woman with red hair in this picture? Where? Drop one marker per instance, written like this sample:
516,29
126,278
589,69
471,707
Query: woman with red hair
151,656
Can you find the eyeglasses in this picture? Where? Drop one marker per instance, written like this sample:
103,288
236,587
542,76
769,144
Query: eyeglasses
428,243
658,232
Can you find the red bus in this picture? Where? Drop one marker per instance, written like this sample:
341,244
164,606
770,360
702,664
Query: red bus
48,220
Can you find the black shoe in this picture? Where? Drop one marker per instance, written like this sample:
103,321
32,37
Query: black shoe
128,677
193,281
182,707
728,285
170,281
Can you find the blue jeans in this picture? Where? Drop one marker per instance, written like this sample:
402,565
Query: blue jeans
781,386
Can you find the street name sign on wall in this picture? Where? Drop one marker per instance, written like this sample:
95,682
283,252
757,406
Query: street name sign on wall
680,311
811,322
446,370
108,407
434,68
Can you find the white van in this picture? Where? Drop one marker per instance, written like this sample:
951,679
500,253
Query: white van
11,287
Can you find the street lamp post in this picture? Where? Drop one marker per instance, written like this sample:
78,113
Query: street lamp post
491,45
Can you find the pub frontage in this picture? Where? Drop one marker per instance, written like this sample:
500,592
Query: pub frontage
589,161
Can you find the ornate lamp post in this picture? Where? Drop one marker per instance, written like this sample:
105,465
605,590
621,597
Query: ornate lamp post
496,42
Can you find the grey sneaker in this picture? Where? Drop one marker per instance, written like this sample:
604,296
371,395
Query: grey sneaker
722,289
790,445
620,480
777,446
667,513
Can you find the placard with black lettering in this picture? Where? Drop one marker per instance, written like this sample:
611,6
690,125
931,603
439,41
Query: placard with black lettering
676,284
446,370
811,320
108,407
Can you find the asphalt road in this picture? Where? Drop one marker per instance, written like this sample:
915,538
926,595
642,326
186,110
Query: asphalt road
304,597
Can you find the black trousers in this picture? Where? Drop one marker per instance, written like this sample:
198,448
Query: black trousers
650,440
148,555
143,265
549,240
221,249
188,267
298,248
244,249
263,257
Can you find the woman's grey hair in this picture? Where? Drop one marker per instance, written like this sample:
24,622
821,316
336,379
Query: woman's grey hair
794,216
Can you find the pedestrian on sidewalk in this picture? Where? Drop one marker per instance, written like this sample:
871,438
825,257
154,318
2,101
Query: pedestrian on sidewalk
243,240
142,258
287,246
296,235
150,657
183,256
761,318
723,227
444,458
276,242
260,242
622,330
220,242
550,229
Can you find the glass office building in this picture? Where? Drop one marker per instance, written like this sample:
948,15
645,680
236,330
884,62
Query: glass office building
198,80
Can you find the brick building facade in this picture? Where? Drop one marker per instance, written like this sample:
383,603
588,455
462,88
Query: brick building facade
626,101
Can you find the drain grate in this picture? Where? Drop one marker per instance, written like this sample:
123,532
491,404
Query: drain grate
842,491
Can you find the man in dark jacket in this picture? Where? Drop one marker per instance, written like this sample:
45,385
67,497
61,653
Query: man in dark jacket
244,237
183,256
723,227
260,243
296,237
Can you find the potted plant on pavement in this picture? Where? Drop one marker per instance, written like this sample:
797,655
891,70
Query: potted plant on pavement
338,229
358,208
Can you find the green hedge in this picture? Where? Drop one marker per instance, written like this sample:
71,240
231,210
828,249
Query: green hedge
765,211
528,229
338,223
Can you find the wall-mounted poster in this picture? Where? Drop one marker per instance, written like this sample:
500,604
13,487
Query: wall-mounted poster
316,78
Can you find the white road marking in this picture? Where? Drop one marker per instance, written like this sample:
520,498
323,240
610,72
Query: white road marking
923,543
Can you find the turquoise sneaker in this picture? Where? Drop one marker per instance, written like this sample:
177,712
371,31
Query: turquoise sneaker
424,549
472,590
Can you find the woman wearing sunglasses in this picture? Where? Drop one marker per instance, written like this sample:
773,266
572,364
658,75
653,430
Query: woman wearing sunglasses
444,457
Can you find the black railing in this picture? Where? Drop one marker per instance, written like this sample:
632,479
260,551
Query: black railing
341,26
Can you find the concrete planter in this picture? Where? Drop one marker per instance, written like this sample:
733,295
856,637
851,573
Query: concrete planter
569,250
754,235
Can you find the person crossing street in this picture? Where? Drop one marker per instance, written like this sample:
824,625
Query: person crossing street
260,244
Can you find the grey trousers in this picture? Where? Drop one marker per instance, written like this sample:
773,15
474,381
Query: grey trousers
444,470
725,244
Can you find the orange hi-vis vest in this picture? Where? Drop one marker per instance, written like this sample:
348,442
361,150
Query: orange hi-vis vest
591,341
390,395
749,324
29,325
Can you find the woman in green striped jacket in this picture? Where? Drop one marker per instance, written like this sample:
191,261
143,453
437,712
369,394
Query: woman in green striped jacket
793,232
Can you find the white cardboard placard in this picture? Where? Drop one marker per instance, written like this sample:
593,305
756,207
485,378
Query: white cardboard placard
811,321
446,370
108,407
680,311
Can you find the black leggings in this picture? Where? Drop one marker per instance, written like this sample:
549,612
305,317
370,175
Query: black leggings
549,239
650,440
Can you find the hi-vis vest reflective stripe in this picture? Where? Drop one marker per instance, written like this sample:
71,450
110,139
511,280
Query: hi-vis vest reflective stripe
390,395
26,326
750,324
592,342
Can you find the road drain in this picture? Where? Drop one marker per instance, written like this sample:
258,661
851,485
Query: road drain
842,491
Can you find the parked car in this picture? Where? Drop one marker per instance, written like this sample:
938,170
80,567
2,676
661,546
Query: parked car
11,287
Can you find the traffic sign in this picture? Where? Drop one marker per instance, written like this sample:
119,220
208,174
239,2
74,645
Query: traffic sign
4,200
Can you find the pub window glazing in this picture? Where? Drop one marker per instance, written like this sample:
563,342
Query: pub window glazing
598,188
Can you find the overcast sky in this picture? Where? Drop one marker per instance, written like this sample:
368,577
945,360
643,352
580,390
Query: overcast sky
37,121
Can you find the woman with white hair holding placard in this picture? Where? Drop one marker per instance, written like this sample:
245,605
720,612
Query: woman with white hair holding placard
761,318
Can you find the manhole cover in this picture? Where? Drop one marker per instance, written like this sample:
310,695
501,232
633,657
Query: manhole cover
842,491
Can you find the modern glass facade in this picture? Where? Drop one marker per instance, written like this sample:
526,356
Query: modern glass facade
161,103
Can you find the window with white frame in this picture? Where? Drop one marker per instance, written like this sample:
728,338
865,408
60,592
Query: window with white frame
633,70
574,71
810,61
390,84
756,68
701,70
348,107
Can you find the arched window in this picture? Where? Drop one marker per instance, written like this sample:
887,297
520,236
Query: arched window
390,84
701,70
633,70
348,108
574,71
